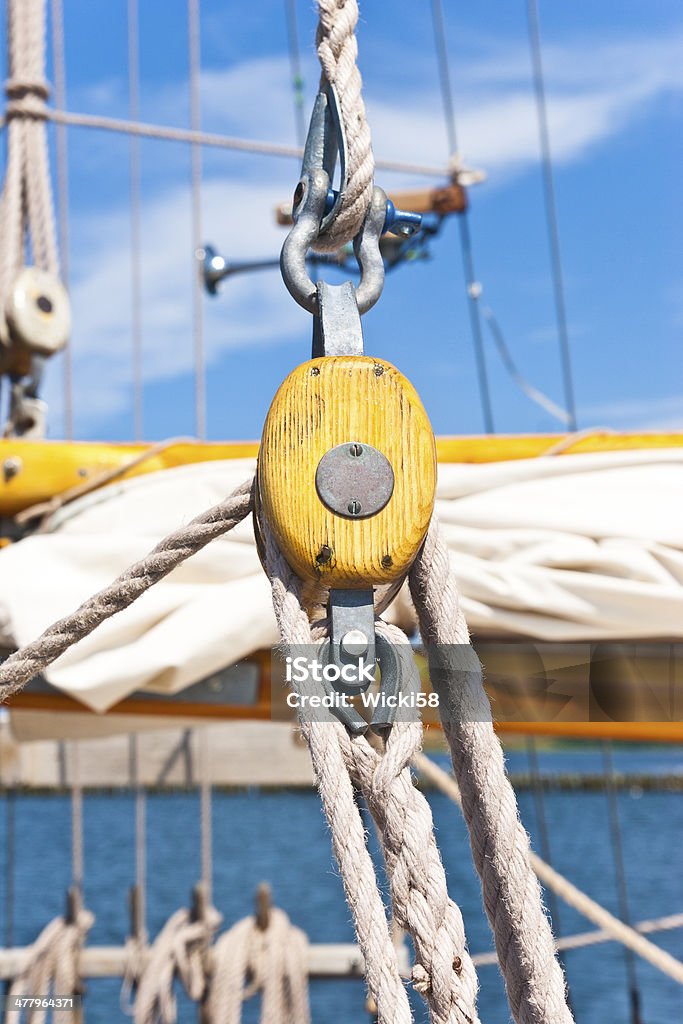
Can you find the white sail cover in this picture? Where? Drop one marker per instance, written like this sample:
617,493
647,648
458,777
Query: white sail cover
566,548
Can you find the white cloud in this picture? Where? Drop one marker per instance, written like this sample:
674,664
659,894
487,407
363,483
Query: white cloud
594,92
663,414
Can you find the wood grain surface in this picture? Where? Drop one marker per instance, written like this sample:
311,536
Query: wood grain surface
324,403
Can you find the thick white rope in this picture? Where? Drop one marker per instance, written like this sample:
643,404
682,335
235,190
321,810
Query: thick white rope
500,846
26,204
610,926
341,810
272,961
338,52
180,951
443,971
52,965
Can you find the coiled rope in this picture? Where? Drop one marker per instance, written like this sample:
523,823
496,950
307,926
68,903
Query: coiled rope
272,961
52,965
180,951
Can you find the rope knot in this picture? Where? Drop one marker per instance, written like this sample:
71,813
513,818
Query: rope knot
26,99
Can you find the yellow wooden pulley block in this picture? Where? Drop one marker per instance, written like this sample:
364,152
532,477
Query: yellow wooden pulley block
347,471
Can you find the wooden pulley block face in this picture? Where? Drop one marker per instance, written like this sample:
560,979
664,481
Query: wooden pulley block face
38,312
347,471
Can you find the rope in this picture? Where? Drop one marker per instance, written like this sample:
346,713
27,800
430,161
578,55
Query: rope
178,952
272,961
337,52
500,846
62,175
135,174
24,664
168,133
52,965
611,928
26,203
325,742
443,972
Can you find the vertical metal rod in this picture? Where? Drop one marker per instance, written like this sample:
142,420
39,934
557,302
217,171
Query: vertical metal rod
62,168
140,834
463,221
620,873
76,819
206,813
194,47
551,211
10,862
544,837
135,204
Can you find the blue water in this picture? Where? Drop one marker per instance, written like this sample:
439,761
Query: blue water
281,837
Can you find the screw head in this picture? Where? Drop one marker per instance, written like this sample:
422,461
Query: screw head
355,449
354,643
11,467
355,508
324,555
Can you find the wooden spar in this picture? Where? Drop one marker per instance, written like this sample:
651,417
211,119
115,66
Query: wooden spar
35,471
325,960
450,198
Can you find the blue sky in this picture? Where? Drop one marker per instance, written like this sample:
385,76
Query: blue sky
615,82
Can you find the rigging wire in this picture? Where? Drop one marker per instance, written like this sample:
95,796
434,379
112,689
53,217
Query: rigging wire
194,55
620,873
62,174
140,909
295,71
215,140
10,860
135,203
529,389
206,813
463,219
76,819
551,210
544,837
